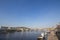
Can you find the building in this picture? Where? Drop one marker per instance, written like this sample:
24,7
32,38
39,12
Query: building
58,31
4,28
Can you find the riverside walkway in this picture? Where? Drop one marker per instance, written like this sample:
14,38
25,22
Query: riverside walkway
52,36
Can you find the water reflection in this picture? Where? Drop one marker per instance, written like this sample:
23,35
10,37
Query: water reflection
20,36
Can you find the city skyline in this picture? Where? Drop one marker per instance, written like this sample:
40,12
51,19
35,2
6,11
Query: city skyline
29,13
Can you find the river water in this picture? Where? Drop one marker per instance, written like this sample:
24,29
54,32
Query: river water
20,36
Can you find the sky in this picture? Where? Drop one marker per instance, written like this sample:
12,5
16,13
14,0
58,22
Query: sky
29,13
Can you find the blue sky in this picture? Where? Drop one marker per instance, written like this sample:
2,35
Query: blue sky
29,13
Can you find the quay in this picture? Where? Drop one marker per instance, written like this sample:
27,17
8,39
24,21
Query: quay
52,36
55,35
49,36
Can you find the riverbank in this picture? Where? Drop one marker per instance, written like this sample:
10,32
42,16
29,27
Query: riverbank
52,36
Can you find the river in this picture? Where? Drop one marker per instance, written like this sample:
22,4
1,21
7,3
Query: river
20,36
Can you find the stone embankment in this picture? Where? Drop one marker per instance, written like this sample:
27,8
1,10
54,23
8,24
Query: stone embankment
52,36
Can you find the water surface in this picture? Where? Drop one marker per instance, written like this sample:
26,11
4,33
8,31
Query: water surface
20,36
